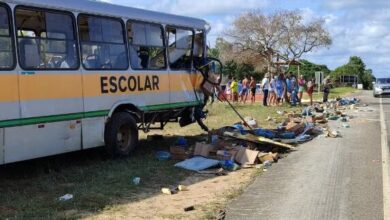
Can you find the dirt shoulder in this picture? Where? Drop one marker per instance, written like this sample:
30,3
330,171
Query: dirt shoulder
205,193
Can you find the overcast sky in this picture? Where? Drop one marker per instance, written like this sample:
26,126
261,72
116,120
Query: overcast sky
358,27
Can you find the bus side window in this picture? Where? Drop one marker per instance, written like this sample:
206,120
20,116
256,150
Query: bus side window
103,44
180,48
199,46
6,47
147,48
46,39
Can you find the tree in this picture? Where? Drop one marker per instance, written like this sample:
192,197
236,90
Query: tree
300,37
231,67
308,69
213,52
355,66
240,70
367,79
257,37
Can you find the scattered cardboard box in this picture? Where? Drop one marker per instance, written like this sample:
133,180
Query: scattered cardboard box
180,156
245,156
179,152
310,119
223,155
295,127
268,157
203,149
178,149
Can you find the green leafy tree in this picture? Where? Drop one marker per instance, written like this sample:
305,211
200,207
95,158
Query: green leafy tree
368,78
240,70
308,69
356,67
213,52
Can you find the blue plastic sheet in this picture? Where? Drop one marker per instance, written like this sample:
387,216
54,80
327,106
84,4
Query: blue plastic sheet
349,101
264,133
287,135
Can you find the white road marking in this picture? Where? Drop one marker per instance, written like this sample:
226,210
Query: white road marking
385,164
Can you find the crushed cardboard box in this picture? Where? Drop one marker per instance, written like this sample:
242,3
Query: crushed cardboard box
203,149
245,156
297,128
273,157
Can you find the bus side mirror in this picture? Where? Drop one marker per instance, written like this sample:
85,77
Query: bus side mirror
212,71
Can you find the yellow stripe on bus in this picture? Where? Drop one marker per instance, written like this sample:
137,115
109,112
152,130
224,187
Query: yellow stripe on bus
40,87
63,86
8,88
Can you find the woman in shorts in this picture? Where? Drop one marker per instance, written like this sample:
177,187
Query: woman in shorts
272,91
310,90
301,87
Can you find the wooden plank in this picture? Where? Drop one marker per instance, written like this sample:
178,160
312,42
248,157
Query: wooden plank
258,140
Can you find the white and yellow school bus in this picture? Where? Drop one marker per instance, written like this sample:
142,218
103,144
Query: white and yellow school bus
79,74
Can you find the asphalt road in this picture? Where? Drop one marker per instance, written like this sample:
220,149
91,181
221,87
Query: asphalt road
327,178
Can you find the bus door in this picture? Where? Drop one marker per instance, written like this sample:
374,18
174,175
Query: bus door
182,75
50,84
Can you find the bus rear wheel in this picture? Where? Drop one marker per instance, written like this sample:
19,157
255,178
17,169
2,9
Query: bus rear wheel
121,135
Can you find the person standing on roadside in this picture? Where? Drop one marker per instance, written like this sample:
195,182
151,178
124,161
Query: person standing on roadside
272,90
326,91
280,88
228,90
234,89
245,89
310,90
301,87
239,89
289,87
252,85
294,89
265,88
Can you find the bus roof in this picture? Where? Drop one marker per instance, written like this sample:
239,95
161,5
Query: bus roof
102,8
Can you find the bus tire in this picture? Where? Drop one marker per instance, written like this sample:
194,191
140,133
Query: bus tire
121,135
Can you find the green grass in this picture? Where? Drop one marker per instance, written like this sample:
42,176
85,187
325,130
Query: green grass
31,189
334,93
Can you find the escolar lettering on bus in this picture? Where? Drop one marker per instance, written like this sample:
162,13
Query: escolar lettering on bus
114,84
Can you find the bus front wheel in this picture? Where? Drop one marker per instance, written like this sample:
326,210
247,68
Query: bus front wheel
121,135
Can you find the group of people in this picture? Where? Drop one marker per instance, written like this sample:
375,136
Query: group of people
240,90
276,88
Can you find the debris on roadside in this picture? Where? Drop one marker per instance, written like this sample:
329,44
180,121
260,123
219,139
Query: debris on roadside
247,145
346,125
136,180
174,190
221,215
66,197
189,208
182,188
332,134
168,191
163,155
197,163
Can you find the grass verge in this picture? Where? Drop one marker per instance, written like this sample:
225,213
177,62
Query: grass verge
334,93
31,189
